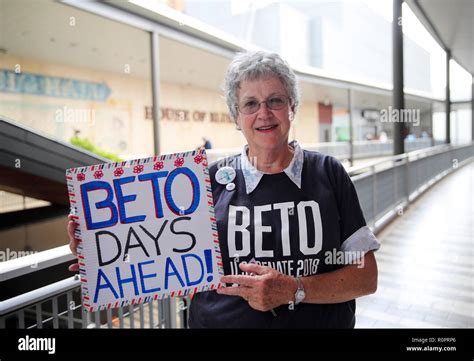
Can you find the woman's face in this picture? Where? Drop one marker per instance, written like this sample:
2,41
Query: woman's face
266,128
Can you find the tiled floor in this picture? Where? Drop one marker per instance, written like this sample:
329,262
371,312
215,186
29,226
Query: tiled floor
426,263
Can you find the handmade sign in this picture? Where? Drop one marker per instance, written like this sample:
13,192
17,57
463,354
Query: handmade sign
147,229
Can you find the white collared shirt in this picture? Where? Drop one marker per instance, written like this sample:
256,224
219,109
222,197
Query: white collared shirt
252,175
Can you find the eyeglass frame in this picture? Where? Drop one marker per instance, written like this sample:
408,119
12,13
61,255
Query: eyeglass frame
287,98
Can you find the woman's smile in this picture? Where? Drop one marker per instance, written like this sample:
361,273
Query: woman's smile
266,128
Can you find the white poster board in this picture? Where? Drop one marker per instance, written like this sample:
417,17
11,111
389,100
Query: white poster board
147,229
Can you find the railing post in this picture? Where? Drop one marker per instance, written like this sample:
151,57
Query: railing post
374,193
70,310
187,303
150,313
21,319
142,316
55,312
109,319
162,313
39,321
97,319
407,180
120,316
85,318
172,313
131,316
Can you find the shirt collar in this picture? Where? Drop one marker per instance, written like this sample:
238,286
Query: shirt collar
252,175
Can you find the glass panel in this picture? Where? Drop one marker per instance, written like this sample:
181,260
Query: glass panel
192,107
68,73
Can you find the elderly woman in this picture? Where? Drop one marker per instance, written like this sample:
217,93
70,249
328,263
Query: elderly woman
287,218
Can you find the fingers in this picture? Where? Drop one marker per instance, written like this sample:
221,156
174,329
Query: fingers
254,268
248,281
235,291
256,301
74,267
73,241
71,227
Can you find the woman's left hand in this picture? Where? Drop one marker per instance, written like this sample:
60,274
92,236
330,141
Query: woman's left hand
265,290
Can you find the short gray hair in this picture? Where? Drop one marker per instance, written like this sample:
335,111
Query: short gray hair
254,65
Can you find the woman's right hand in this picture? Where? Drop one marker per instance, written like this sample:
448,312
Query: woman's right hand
73,241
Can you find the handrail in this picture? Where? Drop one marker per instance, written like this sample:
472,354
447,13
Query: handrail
413,154
39,294
34,262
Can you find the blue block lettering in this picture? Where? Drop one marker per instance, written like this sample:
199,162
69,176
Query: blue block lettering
121,200
106,203
101,275
153,177
149,275
196,192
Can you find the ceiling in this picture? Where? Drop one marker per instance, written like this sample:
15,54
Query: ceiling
60,34
451,23
43,31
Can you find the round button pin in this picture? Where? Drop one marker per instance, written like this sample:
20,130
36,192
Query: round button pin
230,186
225,175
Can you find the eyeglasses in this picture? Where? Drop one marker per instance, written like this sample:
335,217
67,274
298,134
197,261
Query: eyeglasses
251,106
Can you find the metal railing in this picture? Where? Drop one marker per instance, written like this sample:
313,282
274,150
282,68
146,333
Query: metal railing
340,150
58,305
388,186
383,187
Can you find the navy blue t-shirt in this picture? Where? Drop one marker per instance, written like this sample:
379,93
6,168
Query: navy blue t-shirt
288,228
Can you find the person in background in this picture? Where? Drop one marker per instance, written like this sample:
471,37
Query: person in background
207,143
